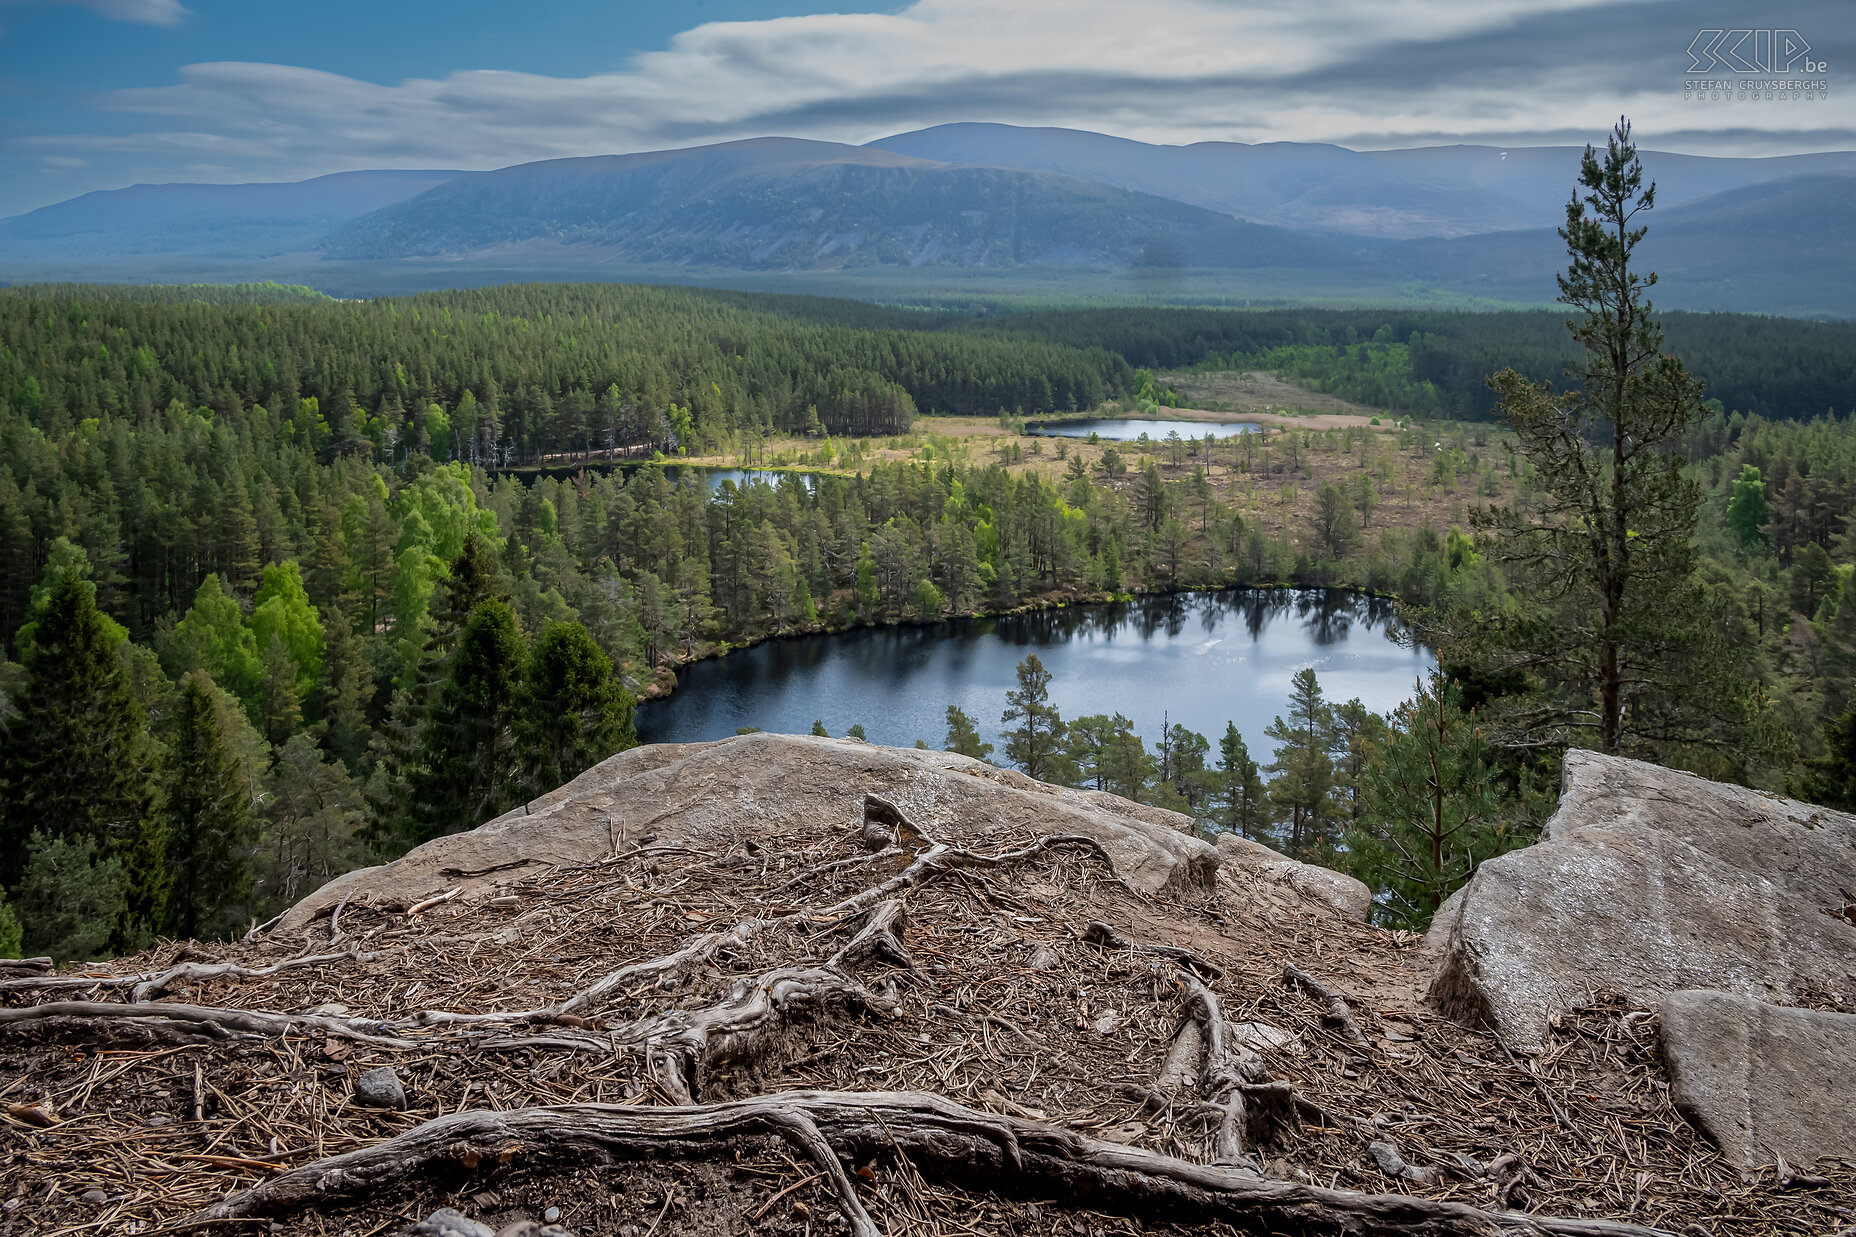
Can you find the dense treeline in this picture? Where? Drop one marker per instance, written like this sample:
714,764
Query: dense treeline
1770,367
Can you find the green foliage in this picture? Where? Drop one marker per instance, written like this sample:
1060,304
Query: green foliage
963,736
1302,787
857,732
818,729
311,830
1604,623
1433,806
470,770
1747,512
12,936
576,712
210,826
1241,804
71,898
1034,745
213,637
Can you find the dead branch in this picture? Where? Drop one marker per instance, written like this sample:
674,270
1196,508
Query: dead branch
941,1139
146,984
1339,1016
160,1022
1099,933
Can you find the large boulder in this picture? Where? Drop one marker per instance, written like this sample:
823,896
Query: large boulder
1244,859
682,794
1764,1081
1649,881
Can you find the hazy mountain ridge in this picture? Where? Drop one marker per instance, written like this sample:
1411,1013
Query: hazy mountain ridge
1222,220
777,204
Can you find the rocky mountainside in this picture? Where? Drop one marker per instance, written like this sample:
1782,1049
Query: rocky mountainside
792,985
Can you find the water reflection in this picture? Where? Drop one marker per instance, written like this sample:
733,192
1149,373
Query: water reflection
1193,659
1128,429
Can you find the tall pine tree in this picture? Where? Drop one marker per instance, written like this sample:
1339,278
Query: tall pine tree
210,830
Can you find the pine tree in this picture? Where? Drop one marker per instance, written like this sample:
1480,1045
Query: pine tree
1302,781
576,714
78,759
1432,807
72,898
210,830
962,735
1747,512
1243,804
312,825
1035,745
1604,622
467,770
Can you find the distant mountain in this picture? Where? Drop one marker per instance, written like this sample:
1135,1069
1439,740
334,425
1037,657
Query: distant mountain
1429,191
984,210
786,204
1790,248
220,220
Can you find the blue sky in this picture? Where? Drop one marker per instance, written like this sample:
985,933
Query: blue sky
103,93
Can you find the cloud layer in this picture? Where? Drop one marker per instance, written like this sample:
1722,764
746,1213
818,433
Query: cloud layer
1364,73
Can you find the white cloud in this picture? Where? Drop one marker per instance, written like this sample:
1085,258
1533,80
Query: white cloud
1362,72
142,12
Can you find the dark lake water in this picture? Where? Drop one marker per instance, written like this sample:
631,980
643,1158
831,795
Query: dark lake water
1126,429
1196,659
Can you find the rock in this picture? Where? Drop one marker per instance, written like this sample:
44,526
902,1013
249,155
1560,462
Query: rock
1649,881
1043,958
1762,1081
94,1197
1345,895
448,1223
551,1215
684,794
380,1088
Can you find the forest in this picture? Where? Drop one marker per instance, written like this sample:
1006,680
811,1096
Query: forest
274,604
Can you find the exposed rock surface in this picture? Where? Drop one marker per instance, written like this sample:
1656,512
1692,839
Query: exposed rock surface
1650,881
1346,895
1763,1080
680,794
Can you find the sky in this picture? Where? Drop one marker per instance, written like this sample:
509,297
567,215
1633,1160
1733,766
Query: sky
99,94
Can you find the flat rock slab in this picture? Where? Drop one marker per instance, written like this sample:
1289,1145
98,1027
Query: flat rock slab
1649,881
687,794
1348,897
1763,1080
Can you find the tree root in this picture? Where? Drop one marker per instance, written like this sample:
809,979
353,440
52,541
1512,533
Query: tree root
161,1022
940,1139
146,984
1099,933
1339,1016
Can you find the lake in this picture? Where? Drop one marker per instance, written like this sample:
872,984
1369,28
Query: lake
1123,429
1197,659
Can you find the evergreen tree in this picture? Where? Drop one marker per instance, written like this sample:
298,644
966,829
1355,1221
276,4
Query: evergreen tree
1302,781
312,825
1604,622
72,898
210,829
279,706
12,935
963,736
78,759
468,769
1747,512
1432,807
1243,805
576,714
214,637
1035,744
818,729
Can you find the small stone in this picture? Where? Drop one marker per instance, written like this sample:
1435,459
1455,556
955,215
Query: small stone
1043,958
380,1088
446,1222
159,1118
94,1197
551,1215
801,1210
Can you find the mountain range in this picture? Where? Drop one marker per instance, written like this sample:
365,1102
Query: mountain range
1008,206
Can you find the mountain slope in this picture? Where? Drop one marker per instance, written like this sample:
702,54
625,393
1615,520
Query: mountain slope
781,204
206,219
1428,191
1789,249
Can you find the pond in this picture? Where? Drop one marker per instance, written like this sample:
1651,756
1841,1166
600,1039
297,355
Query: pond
1127,429
1196,659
